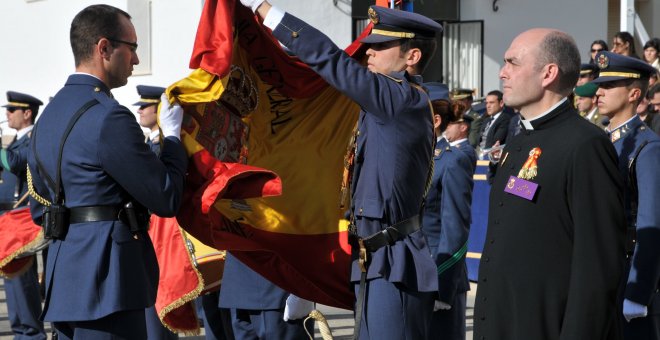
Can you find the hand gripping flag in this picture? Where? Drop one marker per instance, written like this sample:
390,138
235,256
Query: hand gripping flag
249,102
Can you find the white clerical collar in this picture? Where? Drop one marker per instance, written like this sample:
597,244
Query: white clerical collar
528,123
22,132
457,142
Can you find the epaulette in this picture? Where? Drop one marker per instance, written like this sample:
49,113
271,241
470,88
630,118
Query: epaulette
438,151
105,98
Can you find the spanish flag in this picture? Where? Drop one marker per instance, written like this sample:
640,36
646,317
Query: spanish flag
19,234
248,101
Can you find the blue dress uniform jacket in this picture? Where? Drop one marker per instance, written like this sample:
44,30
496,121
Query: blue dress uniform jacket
257,305
392,159
643,278
392,156
22,291
100,267
551,266
447,218
468,150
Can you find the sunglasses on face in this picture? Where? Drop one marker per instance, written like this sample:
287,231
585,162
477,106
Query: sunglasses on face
12,109
596,50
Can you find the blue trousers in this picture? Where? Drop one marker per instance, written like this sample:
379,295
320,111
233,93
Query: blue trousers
24,305
393,312
217,321
130,325
155,328
267,325
449,324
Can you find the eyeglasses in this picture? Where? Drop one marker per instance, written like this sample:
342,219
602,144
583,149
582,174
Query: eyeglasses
596,50
12,109
133,45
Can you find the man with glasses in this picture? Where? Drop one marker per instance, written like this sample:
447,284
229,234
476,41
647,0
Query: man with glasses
93,179
22,291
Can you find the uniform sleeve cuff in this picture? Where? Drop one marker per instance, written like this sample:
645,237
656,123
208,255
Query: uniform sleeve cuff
273,18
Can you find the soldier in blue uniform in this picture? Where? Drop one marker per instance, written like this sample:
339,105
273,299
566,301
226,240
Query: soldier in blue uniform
22,291
102,271
148,106
148,111
447,222
393,155
258,306
623,82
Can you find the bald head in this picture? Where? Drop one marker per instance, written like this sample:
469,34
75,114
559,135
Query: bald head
551,46
540,66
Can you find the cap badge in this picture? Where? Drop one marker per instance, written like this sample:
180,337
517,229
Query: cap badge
373,16
603,61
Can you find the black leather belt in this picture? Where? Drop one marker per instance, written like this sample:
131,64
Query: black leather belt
391,234
93,214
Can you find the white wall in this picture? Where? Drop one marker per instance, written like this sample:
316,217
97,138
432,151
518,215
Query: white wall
36,54
334,21
516,16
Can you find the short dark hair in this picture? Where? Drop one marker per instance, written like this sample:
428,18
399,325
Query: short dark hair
442,108
653,90
497,93
560,49
90,25
654,43
427,46
35,112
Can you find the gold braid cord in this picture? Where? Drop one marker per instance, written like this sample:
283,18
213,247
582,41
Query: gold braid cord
324,328
33,193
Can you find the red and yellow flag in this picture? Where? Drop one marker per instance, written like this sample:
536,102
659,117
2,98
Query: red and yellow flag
249,102
18,234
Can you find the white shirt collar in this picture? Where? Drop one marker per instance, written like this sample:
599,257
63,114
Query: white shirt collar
22,132
620,125
153,134
89,74
528,123
457,142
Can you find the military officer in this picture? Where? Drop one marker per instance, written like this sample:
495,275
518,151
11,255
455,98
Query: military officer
148,106
392,271
148,111
623,82
22,291
586,103
447,222
457,133
258,306
96,177
465,98
588,72
551,263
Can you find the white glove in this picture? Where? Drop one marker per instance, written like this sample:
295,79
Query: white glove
296,308
439,305
170,118
633,310
252,4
